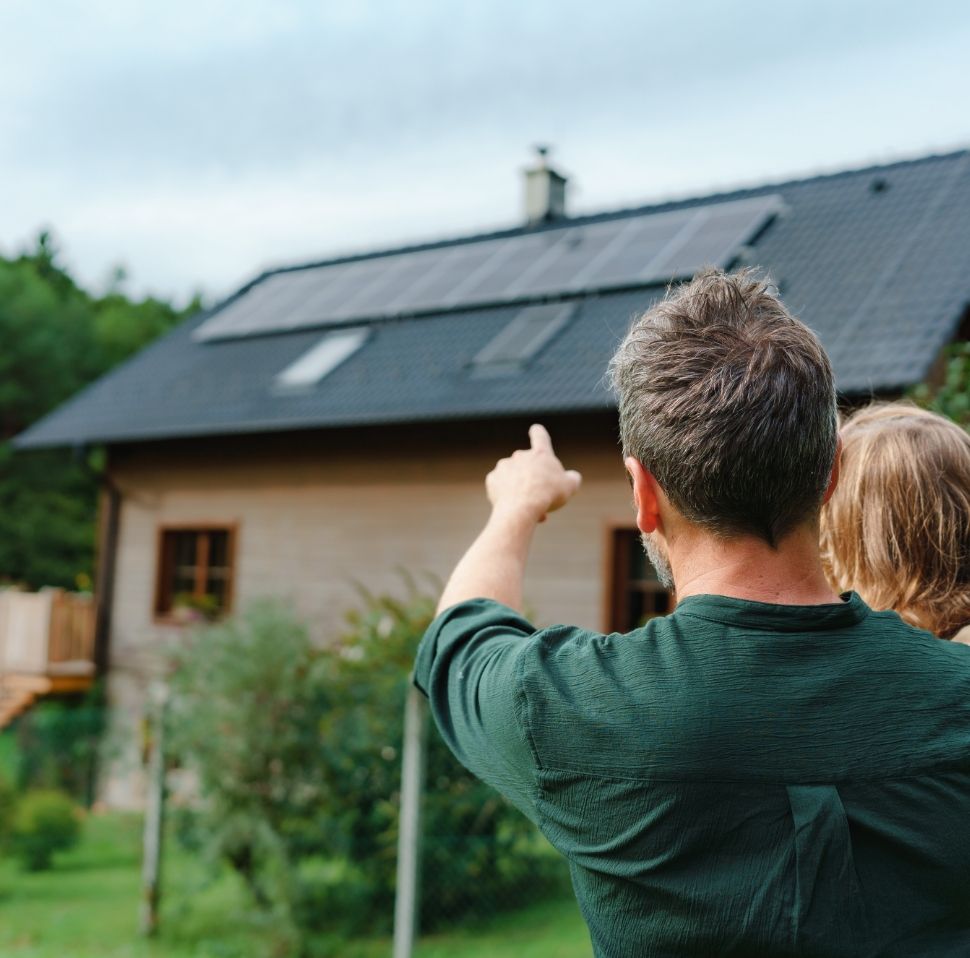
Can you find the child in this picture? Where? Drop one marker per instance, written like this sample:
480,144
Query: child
897,528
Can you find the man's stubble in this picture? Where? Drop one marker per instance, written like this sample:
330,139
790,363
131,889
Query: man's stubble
658,558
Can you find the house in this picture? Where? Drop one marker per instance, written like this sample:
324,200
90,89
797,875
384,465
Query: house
331,423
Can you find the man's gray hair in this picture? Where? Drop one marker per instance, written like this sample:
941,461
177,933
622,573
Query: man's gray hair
729,401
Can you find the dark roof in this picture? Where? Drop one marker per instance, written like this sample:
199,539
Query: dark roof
877,261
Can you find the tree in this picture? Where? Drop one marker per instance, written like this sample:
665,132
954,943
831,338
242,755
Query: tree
46,339
55,338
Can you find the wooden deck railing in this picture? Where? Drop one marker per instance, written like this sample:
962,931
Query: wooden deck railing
46,633
71,637
46,647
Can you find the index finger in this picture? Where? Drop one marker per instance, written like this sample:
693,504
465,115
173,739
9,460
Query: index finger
539,438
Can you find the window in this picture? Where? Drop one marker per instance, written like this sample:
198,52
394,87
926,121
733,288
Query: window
522,339
194,572
635,591
305,372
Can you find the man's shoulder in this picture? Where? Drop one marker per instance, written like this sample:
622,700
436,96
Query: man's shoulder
689,698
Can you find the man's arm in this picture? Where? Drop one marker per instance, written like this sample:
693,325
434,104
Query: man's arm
469,662
523,490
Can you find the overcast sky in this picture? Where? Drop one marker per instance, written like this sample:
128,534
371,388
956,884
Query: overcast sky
197,142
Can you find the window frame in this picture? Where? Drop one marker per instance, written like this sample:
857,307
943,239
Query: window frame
617,581
163,567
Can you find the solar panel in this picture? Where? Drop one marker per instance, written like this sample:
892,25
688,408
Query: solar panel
378,284
345,282
505,269
279,293
426,268
494,255
628,251
559,267
627,261
455,265
718,233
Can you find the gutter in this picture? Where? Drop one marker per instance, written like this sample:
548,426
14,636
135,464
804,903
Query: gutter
106,560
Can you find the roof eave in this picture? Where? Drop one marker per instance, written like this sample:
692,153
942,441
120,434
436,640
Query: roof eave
26,442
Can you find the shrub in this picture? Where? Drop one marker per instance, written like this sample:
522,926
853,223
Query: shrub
44,822
479,854
298,755
951,395
245,711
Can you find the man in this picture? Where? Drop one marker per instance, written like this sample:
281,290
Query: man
771,769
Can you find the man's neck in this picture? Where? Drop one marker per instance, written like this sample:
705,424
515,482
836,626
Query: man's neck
748,568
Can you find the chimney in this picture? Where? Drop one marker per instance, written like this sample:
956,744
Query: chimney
545,191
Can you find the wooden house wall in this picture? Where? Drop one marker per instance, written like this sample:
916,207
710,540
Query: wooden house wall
316,513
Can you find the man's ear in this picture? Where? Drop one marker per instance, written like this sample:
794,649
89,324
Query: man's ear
644,495
836,467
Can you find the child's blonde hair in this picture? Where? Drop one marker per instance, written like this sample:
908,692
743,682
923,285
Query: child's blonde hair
897,528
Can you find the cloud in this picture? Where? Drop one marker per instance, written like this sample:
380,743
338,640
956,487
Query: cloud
195,141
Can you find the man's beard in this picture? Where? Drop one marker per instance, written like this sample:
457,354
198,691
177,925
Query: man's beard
658,559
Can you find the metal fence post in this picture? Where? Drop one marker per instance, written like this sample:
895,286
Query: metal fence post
409,827
154,816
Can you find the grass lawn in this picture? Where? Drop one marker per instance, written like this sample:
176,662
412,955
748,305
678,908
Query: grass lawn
550,929
87,907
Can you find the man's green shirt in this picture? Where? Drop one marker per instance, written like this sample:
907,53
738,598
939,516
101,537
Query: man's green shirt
736,778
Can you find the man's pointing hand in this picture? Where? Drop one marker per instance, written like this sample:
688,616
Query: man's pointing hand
532,482
523,490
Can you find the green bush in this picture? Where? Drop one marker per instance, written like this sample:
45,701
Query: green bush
951,395
297,750
44,822
245,713
479,853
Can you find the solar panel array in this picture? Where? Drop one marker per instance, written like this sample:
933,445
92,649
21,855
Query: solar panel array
623,252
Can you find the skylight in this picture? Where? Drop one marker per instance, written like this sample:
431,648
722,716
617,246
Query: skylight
321,360
523,338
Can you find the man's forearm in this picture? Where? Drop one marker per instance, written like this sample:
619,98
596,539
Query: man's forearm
494,565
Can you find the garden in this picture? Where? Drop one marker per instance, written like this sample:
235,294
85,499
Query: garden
285,844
